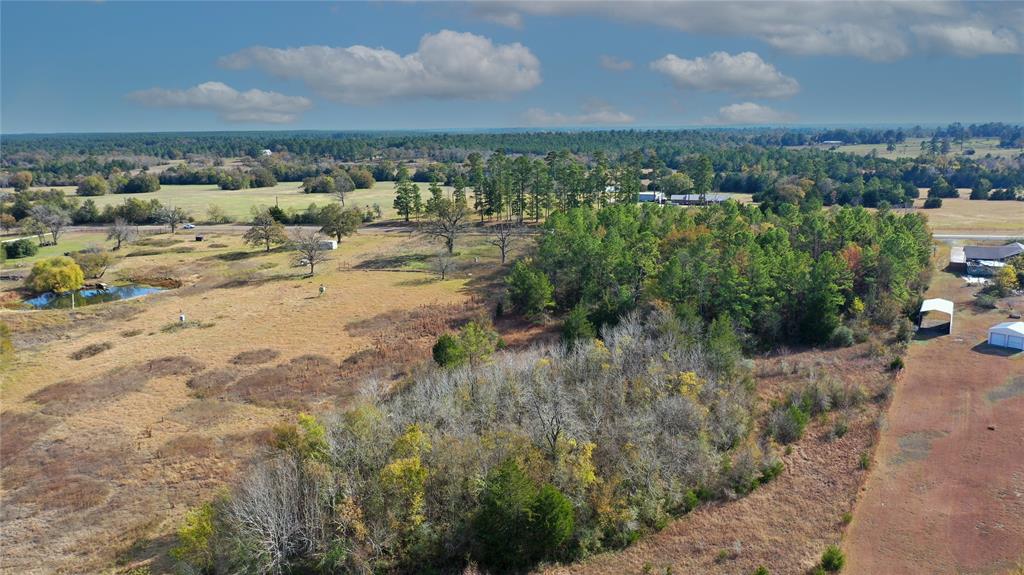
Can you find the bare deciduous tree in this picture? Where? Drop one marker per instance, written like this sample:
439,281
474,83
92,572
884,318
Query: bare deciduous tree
309,244
447,221
504,235
172,216
122,232
444,264
52,218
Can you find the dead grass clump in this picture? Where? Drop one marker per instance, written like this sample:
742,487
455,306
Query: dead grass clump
158,242
202,413
131,333
172,365
18,431
70,492
211,383
191,445
178,326
255,356
217,245
423,321
67,397
91,350
301,381
165,282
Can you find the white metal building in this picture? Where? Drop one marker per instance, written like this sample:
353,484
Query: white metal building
1007,334
940,305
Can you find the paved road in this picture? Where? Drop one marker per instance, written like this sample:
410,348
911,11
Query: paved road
979,237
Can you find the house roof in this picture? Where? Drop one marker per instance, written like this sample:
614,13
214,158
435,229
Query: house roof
1009,328
943,305
993,252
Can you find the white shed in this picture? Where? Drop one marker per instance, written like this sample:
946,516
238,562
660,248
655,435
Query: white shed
1007,334
940,305
328,244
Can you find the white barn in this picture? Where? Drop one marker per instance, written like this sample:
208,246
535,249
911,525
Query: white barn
1007,334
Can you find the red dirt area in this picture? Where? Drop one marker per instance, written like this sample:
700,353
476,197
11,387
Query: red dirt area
946,491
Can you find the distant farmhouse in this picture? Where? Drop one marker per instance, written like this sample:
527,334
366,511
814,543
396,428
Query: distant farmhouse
656,197
987,260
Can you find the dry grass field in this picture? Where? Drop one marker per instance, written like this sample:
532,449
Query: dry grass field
116,419
965,216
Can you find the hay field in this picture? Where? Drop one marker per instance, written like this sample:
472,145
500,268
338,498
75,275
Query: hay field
197,199
911,148
965,216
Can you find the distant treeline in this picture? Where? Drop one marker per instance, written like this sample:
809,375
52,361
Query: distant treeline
41,151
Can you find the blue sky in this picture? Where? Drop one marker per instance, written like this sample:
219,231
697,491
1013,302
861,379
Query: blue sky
152,66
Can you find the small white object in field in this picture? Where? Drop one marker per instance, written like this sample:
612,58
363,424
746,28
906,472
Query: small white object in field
181,317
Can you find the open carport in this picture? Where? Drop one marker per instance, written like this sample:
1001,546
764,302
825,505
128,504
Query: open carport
943,306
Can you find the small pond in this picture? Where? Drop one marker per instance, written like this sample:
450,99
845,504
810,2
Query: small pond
51,300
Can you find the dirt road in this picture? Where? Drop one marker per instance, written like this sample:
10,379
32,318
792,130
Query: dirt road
946,491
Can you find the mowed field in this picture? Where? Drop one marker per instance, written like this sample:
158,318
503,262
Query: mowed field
946,492
116,419
238,204
911,148
965,216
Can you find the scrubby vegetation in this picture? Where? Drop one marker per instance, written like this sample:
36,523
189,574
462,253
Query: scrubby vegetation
551,454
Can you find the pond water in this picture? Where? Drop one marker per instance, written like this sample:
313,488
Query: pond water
51,300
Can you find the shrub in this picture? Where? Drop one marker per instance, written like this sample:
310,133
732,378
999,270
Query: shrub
842,337
761,570
194,538
22,248
447,352
932,203
846,518
92,186
865,461
986,301
501,526
94,263
57,274
577,326
896,364
786,424
529,291
904,330
552,521
840,428
832,560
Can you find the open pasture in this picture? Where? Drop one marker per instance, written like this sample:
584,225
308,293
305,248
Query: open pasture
119,413
238,204
965,216
911,148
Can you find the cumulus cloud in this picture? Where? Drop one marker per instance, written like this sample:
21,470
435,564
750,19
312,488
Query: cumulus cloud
616,64
744,73
256,106
878,30
595,113
447,65
749,113
966,40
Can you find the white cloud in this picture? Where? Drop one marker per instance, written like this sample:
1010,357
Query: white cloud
447,65
744,73
595,113
615,64
966,40
749,113
231,105
878,30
